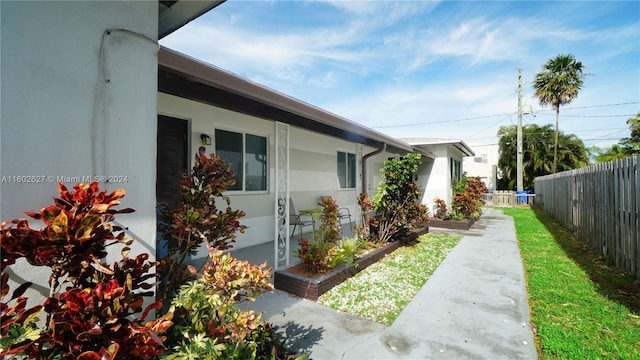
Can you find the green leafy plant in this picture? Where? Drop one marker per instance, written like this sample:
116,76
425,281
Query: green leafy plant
212,321
467,198
441,209
209,320
94,316
345,252
366,209
18,325
197,220
330,226
314,256
397,201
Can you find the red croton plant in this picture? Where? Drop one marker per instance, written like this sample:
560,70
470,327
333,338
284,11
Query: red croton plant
91,307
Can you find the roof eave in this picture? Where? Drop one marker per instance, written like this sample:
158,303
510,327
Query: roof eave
218,78
173,15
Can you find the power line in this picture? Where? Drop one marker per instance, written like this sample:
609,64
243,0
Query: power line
593,106
509,114
592,116
489,127
440,122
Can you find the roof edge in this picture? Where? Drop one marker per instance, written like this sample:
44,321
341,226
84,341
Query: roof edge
223,79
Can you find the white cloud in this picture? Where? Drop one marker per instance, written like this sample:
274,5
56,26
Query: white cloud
383,12
417,64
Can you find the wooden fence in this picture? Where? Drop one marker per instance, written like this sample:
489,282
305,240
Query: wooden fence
507,198
599,204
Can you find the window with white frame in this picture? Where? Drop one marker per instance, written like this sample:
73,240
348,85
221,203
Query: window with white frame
247,155
346,170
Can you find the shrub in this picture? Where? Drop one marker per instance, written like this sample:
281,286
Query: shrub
18,325
330,226
366,208
397,201
467,198
93,317
344,253
441,209
213,324
313,255
209,320
197,220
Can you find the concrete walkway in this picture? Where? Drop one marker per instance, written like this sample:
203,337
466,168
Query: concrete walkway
473,307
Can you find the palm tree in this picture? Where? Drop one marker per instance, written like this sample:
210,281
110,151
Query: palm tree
615,152
537,154
558,84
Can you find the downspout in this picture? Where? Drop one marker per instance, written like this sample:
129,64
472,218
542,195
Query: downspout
364,164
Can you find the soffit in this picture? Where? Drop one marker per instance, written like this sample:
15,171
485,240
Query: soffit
173,14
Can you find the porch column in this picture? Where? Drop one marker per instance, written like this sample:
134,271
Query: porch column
359,175
281,198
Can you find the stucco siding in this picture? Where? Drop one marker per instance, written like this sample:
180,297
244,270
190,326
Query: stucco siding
312,162
78,100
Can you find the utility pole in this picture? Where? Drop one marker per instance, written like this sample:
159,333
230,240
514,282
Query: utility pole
520,186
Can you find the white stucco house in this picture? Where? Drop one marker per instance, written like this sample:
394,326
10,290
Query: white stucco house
87,91
436,175
79,99
289,149
484,164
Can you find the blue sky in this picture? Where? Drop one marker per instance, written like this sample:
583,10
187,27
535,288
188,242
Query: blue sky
437,69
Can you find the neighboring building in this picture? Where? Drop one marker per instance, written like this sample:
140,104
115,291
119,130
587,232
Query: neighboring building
484,164
436,176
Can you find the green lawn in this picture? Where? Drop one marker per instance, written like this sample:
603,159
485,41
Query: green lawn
380,292
581,307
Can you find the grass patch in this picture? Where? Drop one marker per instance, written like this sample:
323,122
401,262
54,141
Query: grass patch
382,290
581,307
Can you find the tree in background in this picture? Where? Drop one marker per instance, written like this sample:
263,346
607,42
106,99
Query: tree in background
558,84
631,144
615,152
625,147
538,153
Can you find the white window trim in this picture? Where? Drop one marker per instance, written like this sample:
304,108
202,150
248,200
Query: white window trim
244,156
355,180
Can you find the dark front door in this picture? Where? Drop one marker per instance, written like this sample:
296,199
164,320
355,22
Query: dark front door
172,158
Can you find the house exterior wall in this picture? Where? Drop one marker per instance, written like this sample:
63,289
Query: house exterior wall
434,176
374,165
75,102
483,164
313,164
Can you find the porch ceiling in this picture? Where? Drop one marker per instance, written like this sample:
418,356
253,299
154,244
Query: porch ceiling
186,77
173,14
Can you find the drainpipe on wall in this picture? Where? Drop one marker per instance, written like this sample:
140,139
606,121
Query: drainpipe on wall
364,164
